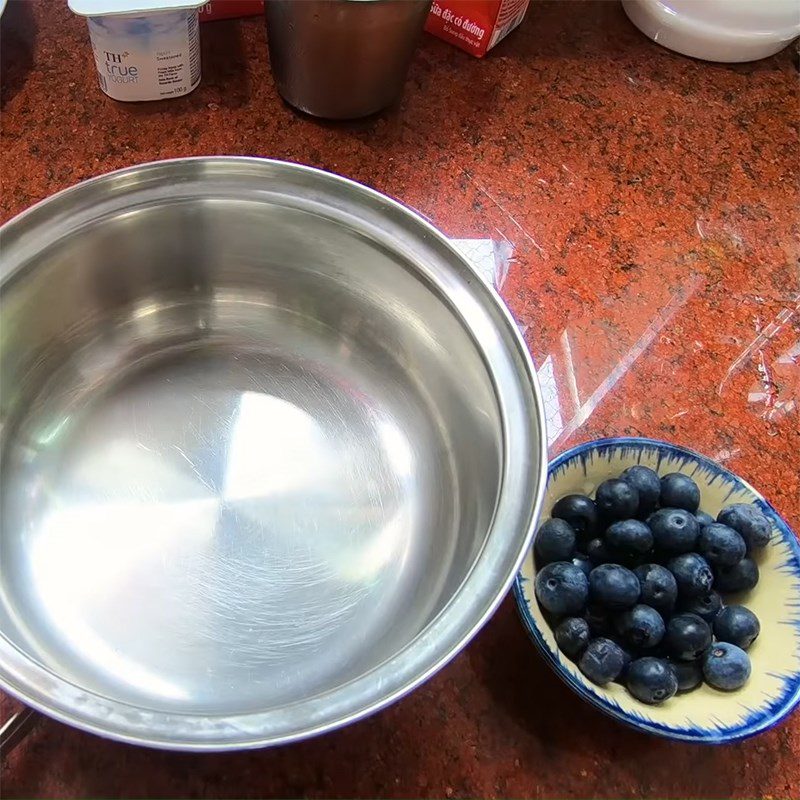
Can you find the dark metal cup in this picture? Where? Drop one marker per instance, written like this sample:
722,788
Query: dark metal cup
342,59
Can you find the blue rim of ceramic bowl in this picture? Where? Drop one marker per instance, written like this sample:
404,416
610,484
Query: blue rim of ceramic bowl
764,719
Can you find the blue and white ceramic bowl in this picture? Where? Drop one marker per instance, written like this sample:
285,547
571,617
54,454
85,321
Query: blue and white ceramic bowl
705,715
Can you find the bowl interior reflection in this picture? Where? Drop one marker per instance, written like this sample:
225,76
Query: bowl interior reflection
243,466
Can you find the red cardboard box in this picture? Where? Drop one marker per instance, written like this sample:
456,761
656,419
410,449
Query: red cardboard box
224,9
475,25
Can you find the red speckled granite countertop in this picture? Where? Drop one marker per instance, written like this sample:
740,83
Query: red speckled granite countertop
651,202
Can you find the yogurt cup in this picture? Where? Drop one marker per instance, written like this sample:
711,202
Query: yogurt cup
145,50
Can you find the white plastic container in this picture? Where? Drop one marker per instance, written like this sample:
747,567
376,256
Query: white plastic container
145,50
718,30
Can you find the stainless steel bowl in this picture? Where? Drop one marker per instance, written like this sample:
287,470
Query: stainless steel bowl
271,453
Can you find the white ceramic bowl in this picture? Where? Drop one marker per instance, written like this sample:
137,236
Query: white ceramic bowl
705,715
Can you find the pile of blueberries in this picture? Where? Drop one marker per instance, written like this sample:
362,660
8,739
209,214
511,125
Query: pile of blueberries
632,581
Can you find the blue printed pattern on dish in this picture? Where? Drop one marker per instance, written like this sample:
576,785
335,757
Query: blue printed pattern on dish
706,715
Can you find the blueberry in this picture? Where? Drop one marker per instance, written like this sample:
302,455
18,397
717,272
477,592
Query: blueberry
561,588
572,635
688,673
629,538
688,636
599,620
616,499
692,574
580,512
651,680
741,577
602,661
706,606
737,625
720,545
555,541
598,552
647,483
679,491
640,627
659,589
583,564
674,530
703,519
627,659
614,587
726,666
745,518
